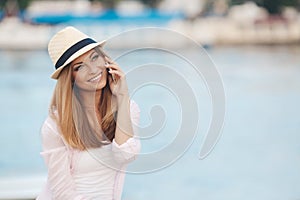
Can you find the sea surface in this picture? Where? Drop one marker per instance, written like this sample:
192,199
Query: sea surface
256,157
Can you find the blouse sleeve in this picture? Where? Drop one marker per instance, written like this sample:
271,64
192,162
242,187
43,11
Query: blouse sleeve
58,162
128,151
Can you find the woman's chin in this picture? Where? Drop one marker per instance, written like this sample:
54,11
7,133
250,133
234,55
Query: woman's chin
98,86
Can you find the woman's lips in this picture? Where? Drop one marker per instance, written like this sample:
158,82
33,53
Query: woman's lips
96,78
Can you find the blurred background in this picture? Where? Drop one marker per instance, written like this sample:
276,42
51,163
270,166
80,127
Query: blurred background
253,44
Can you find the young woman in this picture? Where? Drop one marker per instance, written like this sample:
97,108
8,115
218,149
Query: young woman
88,138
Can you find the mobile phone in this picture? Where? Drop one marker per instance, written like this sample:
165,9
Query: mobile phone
113,77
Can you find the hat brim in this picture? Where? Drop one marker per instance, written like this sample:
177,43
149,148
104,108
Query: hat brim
80,52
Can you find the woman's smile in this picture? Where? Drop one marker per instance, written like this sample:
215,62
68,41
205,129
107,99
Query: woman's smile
96,78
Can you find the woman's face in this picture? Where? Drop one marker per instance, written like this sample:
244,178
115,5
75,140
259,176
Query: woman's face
89,71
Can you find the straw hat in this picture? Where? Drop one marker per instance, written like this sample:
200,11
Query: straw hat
67,45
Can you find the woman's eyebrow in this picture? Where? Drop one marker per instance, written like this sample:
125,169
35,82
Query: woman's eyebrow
92,54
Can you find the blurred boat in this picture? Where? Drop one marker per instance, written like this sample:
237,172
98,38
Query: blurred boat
80,11
245,24
16,35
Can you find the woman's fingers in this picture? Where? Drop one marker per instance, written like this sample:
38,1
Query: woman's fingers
114,69
116,72
113,66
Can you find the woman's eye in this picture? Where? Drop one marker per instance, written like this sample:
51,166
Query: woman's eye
95,57
77,68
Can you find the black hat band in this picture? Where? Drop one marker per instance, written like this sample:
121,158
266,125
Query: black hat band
73,49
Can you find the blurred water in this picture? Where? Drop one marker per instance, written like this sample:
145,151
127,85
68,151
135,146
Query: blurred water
257,157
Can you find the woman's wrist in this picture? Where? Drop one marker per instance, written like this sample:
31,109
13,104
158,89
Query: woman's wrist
122,98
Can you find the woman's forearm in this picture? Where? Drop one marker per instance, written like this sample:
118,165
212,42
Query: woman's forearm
124,129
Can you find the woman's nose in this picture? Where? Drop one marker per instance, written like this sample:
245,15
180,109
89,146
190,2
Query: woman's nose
92,69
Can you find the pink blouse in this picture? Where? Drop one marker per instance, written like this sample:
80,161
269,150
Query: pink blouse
78,175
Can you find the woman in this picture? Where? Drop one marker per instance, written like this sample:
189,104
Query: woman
88,138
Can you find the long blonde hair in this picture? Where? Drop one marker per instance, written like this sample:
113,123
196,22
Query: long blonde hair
72,119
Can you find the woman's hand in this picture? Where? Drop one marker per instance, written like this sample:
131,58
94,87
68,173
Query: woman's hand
117,80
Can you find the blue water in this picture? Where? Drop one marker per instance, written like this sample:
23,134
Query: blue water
257,157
